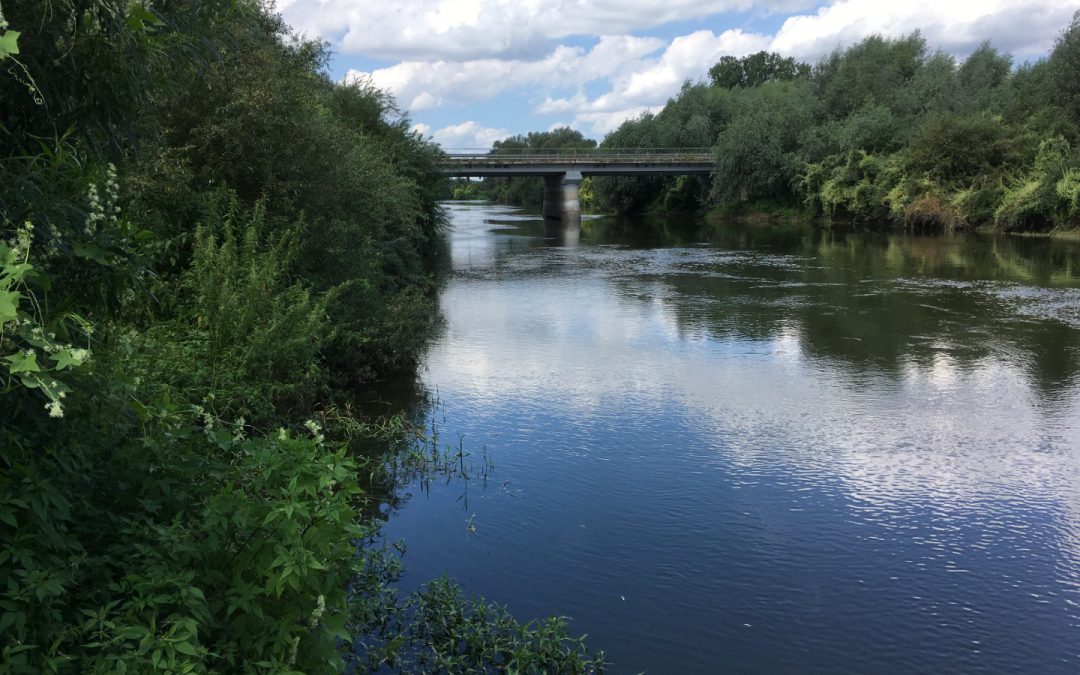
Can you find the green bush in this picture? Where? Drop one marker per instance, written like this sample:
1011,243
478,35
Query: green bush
230,553
1042,198
437,629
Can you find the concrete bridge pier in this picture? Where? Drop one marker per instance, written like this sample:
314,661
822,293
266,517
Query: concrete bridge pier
561,200
705,184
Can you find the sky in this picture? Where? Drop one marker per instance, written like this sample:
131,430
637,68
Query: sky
470,72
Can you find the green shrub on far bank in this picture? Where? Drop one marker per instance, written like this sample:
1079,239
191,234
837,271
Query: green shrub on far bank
1046,196
466,189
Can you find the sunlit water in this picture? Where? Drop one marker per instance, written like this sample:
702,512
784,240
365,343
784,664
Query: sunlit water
763,448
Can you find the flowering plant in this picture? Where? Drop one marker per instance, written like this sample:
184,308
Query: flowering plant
31,355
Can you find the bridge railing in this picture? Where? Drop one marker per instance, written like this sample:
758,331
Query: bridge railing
575,155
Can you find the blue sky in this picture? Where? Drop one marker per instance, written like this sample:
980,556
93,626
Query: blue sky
469,72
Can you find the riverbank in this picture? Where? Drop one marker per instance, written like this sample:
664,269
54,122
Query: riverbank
780,214
198,275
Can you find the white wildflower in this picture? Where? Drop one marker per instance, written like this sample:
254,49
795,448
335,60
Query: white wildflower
315,430
55,409
292,652
320,609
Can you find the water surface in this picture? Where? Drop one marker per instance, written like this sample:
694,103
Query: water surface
763,448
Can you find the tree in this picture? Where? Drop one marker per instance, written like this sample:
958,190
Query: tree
982,77
755,154
757,69
875,70
1064,65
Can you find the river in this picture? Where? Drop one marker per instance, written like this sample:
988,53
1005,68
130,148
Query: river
762,448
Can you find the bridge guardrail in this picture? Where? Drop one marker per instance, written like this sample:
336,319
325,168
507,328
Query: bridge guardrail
576,155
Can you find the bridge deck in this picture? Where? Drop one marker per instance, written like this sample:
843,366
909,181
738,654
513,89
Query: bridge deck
506,162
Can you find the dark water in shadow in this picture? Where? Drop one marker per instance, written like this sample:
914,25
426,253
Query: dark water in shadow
763,449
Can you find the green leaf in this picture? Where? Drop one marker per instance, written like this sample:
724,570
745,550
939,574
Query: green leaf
65,359
186,648
23,362
140,19
9,306
9,43
223,438
90,252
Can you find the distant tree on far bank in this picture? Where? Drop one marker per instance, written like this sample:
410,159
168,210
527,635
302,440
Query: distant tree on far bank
757,69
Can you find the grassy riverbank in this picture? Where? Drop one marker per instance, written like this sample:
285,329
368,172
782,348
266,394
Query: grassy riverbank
208,248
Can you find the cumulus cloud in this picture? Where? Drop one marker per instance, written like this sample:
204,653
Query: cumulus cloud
687,57
1025,28
651,81
424,84
463,30
467,135
601,123
425,100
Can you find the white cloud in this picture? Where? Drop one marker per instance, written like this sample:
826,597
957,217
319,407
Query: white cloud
464,30
467,135
426,84
561,105
1025,28
687,57
648,85
424,101
602,122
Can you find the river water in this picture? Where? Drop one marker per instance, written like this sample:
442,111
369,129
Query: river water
762,448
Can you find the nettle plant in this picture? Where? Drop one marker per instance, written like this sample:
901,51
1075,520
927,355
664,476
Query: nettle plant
31,355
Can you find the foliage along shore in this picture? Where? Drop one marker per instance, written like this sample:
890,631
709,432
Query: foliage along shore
206,248
884,133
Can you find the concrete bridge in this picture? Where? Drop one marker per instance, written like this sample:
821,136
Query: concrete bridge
563,169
